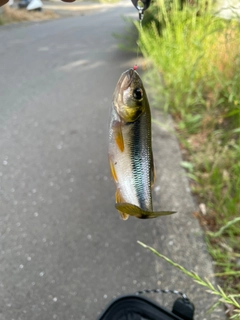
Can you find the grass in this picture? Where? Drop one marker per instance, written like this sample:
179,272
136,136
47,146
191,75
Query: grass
228,299
11,15
197,54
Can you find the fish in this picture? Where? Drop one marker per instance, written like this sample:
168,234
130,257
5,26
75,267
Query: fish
130,148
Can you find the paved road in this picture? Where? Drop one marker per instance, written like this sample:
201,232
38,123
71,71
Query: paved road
64,250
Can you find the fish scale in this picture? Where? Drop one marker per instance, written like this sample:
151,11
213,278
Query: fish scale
141,172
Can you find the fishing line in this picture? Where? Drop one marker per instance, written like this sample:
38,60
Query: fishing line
140,8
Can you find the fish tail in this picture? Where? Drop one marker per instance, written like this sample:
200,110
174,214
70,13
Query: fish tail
135,211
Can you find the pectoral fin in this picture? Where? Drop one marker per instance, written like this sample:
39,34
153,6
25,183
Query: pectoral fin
132,210
119,200
117,130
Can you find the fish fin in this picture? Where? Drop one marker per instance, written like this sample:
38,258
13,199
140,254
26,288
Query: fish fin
113,172
117,129
135,211
119,199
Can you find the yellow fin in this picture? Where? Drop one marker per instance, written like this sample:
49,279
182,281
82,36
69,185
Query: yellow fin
117,129
119,199
135,211
113,172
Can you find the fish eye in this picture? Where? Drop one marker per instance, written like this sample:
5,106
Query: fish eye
138,93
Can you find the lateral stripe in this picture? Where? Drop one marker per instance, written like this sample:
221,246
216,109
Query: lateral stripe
137,163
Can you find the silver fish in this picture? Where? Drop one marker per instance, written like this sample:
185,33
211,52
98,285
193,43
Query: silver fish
130,149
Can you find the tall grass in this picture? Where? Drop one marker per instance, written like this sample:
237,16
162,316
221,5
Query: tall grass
192,50
198,55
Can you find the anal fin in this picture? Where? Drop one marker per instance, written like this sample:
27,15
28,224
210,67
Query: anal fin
119,200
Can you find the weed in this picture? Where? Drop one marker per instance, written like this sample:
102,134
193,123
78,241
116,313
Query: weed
11,15
227,299
197,55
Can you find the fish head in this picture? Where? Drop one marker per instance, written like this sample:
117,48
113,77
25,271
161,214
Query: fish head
129,97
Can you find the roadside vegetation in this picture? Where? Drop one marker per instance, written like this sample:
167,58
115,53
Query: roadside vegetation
11,15
197,55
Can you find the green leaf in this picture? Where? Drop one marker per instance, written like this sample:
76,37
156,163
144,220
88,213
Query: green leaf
187,165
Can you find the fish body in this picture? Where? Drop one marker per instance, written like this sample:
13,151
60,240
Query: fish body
130,148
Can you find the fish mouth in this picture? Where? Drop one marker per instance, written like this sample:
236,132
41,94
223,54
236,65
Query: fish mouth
123,101
126,80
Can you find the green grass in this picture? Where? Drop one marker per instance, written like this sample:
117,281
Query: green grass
228,299
198,56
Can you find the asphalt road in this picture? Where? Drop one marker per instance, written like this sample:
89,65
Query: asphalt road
64,252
